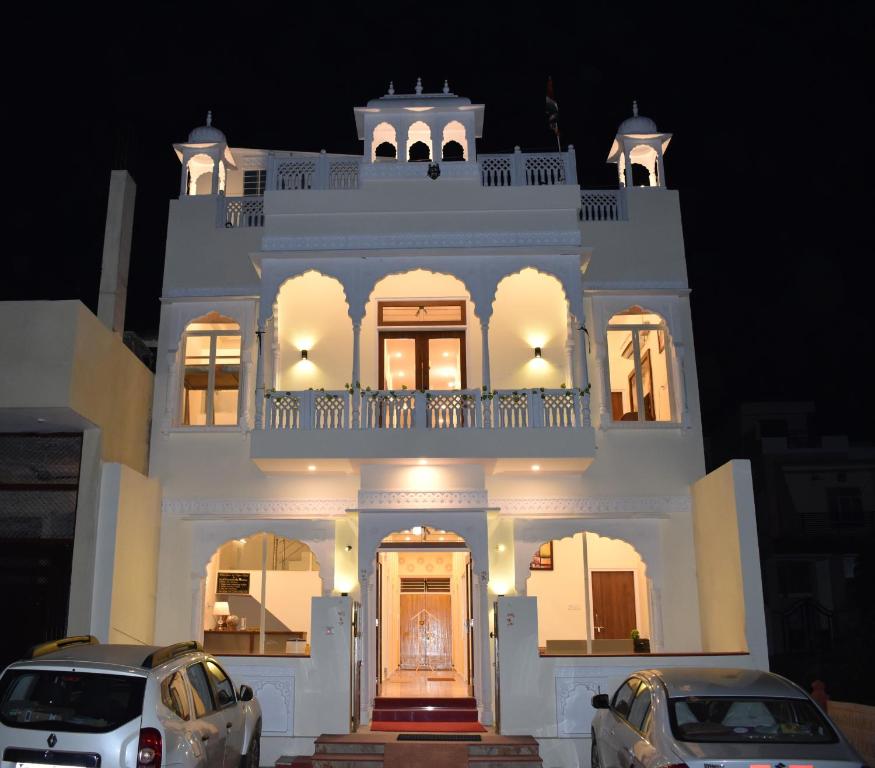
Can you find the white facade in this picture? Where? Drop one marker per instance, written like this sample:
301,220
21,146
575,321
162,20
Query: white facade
568,411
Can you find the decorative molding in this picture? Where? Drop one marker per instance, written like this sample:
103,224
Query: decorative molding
210,294
420,240
575,688
258,509
402,500
275,690
402,170
594,506
648,288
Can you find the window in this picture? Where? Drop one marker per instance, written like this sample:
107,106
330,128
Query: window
624,695
543,559
640,708
200,690
174,695
253,182
638,367
846,508
211,383
221,684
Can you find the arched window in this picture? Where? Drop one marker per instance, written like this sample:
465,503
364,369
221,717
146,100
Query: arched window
419,134
261,581
638,365
454,141
200,175
384,133
211,380
385,151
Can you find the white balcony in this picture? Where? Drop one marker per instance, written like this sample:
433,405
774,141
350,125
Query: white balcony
509,430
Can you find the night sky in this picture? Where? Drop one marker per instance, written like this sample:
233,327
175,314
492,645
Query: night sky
770,105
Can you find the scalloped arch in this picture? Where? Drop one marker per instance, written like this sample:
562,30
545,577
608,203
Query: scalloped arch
571,535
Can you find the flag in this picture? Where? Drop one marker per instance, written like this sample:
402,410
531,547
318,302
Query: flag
552,109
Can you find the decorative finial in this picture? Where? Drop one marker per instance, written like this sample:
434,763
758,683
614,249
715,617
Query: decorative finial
418,86
391,90
446,86
209,117
635,108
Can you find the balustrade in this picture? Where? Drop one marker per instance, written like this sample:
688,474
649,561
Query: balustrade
237,212
602,205
431,410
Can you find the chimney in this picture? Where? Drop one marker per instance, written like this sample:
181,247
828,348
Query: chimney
116,251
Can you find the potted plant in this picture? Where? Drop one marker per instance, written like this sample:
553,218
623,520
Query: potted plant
640,644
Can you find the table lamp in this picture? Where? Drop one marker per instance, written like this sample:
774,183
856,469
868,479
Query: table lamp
221,611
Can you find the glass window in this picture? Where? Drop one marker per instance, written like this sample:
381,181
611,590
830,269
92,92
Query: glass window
624,695
200,690
748,720
174,695
253,182
640,707
69,700
222,685
639,367
211,381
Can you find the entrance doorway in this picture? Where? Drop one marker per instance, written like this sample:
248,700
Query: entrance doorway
422,360
613,604
424,613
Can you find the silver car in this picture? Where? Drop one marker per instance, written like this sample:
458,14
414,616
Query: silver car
78,703
714,718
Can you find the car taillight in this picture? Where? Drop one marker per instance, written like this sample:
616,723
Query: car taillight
149,748
676,765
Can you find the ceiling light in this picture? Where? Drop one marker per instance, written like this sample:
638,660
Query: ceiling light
536,467
446,354
311,467
423,462
416,530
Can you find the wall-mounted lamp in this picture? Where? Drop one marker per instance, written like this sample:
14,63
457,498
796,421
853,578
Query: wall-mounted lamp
305,354
537,351
348,547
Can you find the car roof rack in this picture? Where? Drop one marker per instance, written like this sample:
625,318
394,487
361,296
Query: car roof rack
57,645
169,652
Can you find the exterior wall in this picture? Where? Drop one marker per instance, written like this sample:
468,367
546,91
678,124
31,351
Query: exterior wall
126,558
728,562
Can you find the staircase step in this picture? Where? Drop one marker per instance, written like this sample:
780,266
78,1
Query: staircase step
348,747
424,715
294,761
391,702
347,760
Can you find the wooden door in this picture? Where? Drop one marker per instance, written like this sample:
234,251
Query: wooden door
426,627
416,351
613,604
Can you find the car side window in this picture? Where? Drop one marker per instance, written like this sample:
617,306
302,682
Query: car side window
222,685
640,708
174,695
200,690
623,697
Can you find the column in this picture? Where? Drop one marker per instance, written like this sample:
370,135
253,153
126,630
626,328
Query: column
587,596
629,177
356,371
660,169
486,403
483,668
584,372
214,184
605,376
682,384
570,372
275,349
259,378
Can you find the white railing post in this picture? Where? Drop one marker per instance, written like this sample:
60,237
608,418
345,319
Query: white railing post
420,410
517,168
320,180
307,409
535,409
270,183
570,165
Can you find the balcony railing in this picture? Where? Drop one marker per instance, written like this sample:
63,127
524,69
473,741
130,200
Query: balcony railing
237,212
405,410
603,205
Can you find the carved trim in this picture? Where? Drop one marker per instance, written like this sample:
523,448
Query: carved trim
423,500
258,509
420,240
598,506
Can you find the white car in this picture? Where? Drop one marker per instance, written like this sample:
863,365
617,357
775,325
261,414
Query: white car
75,702
714,718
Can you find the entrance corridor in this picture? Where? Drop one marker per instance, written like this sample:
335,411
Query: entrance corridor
438,684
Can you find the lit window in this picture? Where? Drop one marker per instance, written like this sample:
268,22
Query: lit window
211,380
253,182
638,364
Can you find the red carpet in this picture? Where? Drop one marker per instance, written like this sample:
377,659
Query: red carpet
399,727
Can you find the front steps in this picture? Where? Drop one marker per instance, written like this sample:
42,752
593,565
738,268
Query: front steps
365,750
424,710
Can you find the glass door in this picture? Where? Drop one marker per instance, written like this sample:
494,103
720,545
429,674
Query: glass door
422,360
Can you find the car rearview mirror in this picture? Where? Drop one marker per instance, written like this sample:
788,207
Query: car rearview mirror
600,701
246,693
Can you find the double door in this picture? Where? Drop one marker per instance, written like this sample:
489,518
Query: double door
422,360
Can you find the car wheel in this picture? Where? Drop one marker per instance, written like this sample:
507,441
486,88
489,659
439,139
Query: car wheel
253,757
594,761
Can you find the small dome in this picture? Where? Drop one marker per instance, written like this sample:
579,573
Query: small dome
637,123
207,134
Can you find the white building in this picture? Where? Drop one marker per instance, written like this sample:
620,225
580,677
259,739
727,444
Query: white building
388,386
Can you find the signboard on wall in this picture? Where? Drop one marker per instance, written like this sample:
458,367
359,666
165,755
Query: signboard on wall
228,583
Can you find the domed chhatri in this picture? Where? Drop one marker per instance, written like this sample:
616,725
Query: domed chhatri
207,134
637,124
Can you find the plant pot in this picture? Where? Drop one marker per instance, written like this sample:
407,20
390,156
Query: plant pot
641,645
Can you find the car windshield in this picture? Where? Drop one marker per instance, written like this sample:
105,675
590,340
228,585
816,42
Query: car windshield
69,700
748,720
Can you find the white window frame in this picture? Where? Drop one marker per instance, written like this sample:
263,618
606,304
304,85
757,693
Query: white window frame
211,379
635,329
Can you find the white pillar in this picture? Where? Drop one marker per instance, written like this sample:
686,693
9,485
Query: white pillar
587,596
630,181
584,372
259,379
604,373
356,371
570,372
214,182
660,169
484,330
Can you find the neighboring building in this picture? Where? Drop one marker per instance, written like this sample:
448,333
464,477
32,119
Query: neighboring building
428,409
815,500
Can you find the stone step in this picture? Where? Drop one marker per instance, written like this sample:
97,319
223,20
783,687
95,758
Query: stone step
294,761
424,715
347,760
396,702
352,747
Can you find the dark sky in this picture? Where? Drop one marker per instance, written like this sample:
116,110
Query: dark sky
770,104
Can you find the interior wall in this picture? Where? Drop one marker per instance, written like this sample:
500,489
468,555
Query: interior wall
418,284
530,310
459,592
615,555
313,316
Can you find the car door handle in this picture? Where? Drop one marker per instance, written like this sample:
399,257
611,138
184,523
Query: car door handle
205,738
229,726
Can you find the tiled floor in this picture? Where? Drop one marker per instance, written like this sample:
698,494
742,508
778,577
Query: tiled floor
406,683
